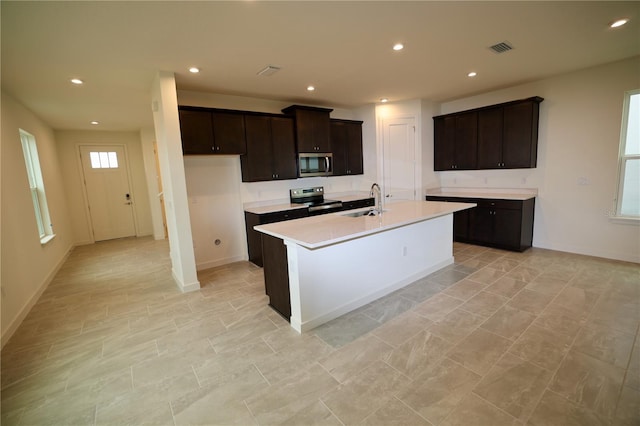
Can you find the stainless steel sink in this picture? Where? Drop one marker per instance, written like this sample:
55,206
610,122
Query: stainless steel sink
370,212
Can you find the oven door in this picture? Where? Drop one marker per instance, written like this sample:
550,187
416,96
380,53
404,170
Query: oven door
315,164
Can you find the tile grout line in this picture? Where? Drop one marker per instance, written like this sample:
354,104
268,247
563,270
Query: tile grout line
512,342
555,371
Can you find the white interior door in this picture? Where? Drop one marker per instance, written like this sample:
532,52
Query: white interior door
399,159
108,191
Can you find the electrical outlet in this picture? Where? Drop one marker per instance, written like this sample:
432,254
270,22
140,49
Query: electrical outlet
583,181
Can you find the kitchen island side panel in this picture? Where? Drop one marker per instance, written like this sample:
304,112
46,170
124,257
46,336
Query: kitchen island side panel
330,281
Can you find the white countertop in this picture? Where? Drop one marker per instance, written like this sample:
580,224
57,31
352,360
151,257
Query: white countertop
494,193
319,231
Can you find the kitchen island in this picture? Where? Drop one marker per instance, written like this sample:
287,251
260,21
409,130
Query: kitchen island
318,268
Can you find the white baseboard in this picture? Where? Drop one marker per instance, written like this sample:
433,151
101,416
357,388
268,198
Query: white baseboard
220,262
348,307
588,251
24,311
184,287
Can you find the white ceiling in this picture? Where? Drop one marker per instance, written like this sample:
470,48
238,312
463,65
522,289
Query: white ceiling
342,48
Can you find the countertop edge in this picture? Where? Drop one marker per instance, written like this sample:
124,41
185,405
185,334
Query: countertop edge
519,194
452,209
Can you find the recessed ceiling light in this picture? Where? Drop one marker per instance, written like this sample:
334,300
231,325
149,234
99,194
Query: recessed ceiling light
618,23
384,100
194,70
76,81
472,74
95,122
398,46
311,88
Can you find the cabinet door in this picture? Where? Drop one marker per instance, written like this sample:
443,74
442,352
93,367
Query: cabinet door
444,132
228,133
354,149
461,225
466,141
257,162
254,238
196,132
490,138
276,275
507,229
339,142
518,135
283,143
481,224
312,131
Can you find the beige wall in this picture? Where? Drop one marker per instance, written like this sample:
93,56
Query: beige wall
579,136
67,143
28,266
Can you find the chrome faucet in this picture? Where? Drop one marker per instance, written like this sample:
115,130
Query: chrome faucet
378,203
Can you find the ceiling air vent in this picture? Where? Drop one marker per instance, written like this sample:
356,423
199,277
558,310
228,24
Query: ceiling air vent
501,47
268,70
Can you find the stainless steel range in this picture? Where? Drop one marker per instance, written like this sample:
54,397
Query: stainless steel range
314,199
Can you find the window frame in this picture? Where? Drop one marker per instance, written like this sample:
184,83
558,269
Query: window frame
36,186
623,158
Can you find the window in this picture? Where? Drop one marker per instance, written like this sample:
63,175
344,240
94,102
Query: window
36,185
104,160
628,200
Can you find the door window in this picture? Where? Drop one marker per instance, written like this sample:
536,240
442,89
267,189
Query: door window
103,160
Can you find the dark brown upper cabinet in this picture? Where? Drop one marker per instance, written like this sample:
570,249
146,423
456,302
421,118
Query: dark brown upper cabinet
455,141
520,136
346,146
506,137
312,127
490,138
271,149
207,131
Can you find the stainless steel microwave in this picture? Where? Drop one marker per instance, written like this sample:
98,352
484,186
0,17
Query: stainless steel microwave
315,164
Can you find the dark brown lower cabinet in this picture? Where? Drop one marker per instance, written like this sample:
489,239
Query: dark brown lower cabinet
276,275
505,224
254,238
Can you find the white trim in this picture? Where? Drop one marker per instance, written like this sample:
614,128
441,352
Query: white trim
625,220
348,307
24,311
220,262
185,288
588,251
46,239
622,157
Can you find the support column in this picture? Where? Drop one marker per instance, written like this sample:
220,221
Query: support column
164,103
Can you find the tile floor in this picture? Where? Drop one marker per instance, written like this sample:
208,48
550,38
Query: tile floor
498,338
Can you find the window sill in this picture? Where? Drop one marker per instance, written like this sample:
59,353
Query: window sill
45,240
625,220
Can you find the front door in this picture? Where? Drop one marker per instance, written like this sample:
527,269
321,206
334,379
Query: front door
106,180
399,159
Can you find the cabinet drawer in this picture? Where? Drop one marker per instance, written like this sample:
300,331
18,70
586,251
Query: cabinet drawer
499,204
283,215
